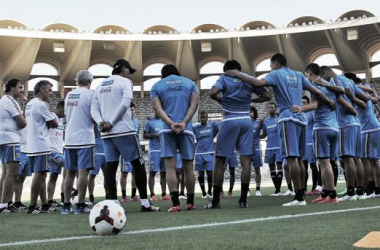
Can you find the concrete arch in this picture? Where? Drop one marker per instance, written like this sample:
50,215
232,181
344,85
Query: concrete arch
355,14
304,21
210,59
111,29
6,24
257,25
160,29
210,28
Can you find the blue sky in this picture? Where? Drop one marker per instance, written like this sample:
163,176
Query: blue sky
183,15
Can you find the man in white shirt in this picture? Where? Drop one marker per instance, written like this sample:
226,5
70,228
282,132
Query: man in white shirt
79,141
39,119
11,123
57,160
111,111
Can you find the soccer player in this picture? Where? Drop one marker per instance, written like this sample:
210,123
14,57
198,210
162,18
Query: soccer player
257,162
236,130
231,164
204,152
57,159
272,151
126,167
100,163
39,119
11,122
310,156
287,86
175,100
370,138
79,141
111,111
349,129
152,129
326,131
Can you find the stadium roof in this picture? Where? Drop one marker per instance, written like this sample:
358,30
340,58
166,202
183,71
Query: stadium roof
353,37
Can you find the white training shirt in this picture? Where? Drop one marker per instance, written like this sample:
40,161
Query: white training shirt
56,136
9,129
79,131
109,95
37,113
23,138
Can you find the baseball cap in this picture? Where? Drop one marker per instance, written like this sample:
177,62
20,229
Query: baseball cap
121,62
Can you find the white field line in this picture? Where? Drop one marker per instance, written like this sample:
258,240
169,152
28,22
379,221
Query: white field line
158,230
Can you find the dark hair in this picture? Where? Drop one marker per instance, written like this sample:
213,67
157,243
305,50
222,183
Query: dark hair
353,77
11,83
306,98
325,69
41,84
60,104
231,64
132,105
203,112
169,69
313,68
272,103
254,110
279,58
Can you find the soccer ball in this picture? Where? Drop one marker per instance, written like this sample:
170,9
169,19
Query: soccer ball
107,218
74,200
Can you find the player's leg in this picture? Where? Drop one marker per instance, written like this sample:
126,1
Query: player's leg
9,180
209,182
201,181
40,165
347,147
151,182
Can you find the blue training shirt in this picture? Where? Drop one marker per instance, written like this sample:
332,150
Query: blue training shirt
153,127
324,116
236,99
205,137
270,127
174,93
287,86
309,127
367,116
136,125
256,134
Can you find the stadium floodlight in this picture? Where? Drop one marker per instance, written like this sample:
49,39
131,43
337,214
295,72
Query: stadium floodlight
59,47
206,46
108,45
352,33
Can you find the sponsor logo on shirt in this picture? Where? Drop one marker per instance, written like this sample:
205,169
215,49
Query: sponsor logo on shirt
74,96
272,126
174,89
205,131
72,104
106,83
106,90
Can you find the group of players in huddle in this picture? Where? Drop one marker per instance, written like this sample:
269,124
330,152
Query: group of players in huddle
337,123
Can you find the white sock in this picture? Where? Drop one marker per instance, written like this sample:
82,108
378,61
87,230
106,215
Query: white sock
145,202
319,188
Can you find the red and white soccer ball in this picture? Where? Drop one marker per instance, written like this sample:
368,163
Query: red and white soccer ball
107,218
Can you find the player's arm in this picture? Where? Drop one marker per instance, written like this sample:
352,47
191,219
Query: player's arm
347,106
320,96
214,94
20,120
156,104
264,131
120,111
332,87
254,82
148,136
366,88
313,105
374,97
263,97
52,123
194,101
363,96
95,111
361,104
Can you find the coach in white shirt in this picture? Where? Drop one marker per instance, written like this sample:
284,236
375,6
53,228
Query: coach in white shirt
79,141
11,123
111,111
39,119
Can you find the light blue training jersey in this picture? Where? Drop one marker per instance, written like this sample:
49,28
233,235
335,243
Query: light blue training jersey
270,125
367,116
205,137
324,116
309,127
256,134
287,86
174,93
236,99
153,127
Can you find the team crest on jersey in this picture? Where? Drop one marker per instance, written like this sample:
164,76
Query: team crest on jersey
59,159
18,155
276,119
307,115
256,125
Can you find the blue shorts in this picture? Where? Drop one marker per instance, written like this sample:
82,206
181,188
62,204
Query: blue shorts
10,153
156,163
183,142
39,163
100,163
235,133
325,141
310,156
24,168
127,147
257,161
178,163
371,145
125,166
292,139
272,156
204,162
57,161
232,161
79,158
350,141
